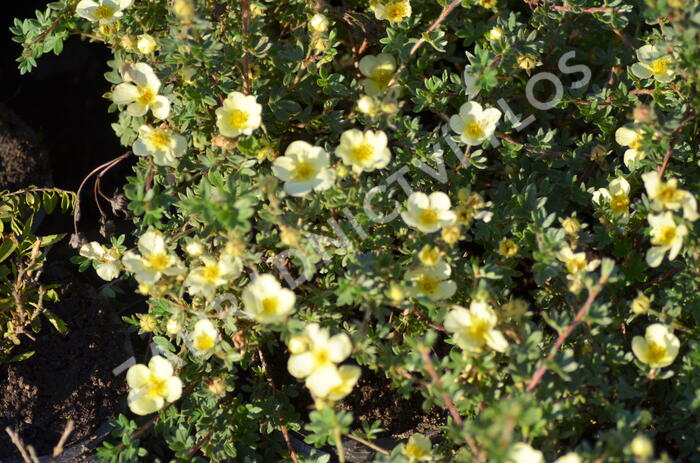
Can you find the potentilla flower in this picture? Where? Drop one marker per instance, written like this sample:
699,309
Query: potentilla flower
393,10
152,386
140,92
630,135
418,448
161,144
102,11
319,23
667,196
524,453
527,62
206,279
515,308
108,267
364,151
239,115
368,105
431,281
471,206
640,304
475,327
348,375
266,300
666,236
658,348
428,214
616,196
204,336
576,263
571,457
495,33
507,248
378,71
173,326
304,168
430,255
316,361
642,447
654,61
475,124
146,44
154,260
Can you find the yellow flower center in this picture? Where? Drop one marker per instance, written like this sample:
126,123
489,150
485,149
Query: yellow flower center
478,329
157,388
363,153
304,171
211,273
414,451
204,341
655,352
619,204
474,130
428,217
464,215
270,305
382,77
103,12
667,235
427,284
396,11
321,357
237,119
660,66
157,262
146,96
576,265
667,193
160,139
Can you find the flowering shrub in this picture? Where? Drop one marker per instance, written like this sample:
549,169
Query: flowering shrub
491,203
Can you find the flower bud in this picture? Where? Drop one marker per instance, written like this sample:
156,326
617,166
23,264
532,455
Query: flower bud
173,326
496,33
318,23
146,44
194,248
640,304
148,324
642,447
451,234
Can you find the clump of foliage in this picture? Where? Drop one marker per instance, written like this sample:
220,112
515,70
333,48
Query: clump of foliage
22,258
492,203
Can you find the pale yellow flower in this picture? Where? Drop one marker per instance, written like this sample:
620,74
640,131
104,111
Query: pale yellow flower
576,263
630,136
431,281
524,453
266,300
239,115
642,447
666,236
571,457
173,326
475,124
204,336
658,348
184,9
304,168
317,358
616,196
471,206
146,44
368,105
152,386
527,61
161,144
507,248
654,61
378,71
140,92
495,33
430,255
364,151
418,448
393,10
475,327
640,304
102,11
205,280
428,214
348,376
667,196
153,261
515,308
319,23
108,266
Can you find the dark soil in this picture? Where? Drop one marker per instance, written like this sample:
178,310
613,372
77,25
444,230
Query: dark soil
23,161
69,376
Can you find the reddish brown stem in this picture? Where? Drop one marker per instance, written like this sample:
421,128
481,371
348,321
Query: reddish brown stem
445,13
674,140
583,311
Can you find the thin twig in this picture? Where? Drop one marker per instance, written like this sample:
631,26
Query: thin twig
14,437
530,148
430,368
245,19
583,311
58,449
369,444
674,140
445,13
